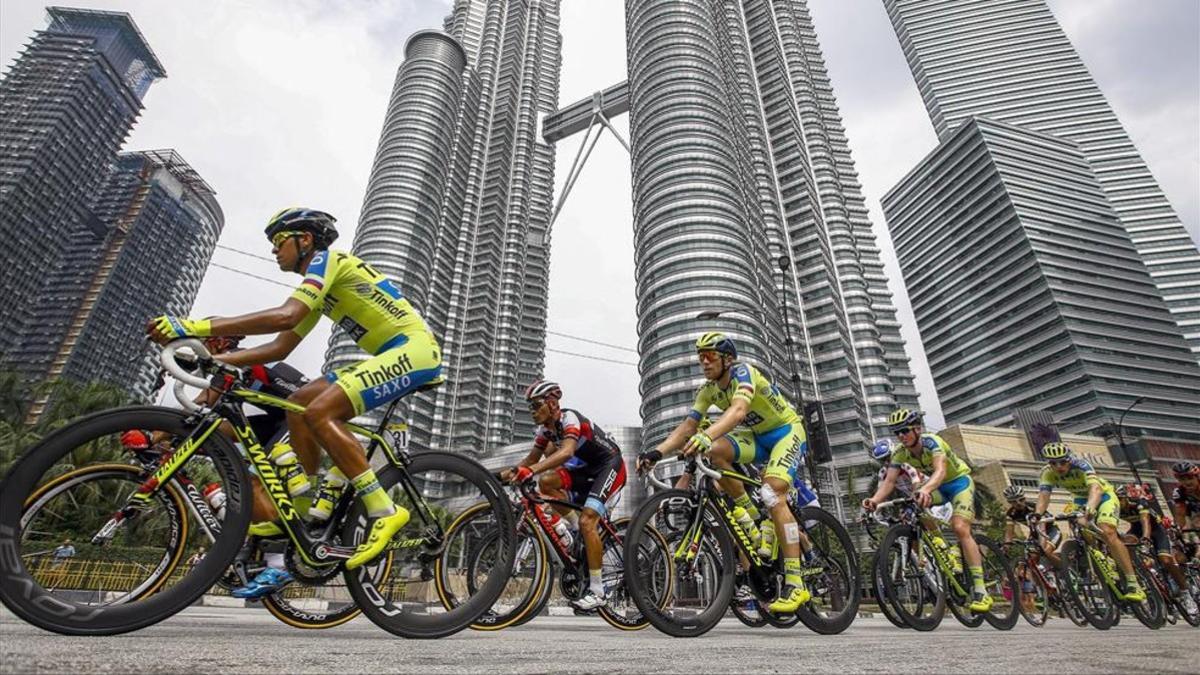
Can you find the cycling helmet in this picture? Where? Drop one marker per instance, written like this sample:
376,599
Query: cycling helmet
1186,469
903,417
135,439
1056,451
1123,491
543,389
717,342
1013,492
299,219
882,450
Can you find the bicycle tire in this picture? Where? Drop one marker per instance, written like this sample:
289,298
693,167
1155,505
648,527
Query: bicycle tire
543,598
1153,610
1085,587
665,621
491,620
758,620
929,582
613,618
1193,587
840,555
1039,597
21,593
398,620
995,563
885,607
170,497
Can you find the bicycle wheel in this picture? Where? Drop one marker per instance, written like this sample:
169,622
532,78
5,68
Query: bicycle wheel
1151,611
997,578
1084,586
830,571
529,571
912,582
885,607
703,574
319,598
957,605
54,507
654,561
119,552
542,599
439,490
1032,597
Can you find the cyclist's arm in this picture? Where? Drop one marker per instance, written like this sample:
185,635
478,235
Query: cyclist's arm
275,350
565,451
1181,514
1145,518
886,485
732,417
1043,500
1095,494
939,474
1010,531
276,320
685,430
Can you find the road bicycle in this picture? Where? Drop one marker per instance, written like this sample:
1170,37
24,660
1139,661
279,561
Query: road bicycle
542,555
1090,579
707,555
1146,558
1040,594
922,578
395,591
879,568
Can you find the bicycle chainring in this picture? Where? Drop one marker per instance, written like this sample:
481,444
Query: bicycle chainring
307,574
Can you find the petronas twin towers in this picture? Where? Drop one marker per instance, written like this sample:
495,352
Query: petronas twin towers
747,209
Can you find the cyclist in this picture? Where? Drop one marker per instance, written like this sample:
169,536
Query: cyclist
368,307
1185,498
1019,511
746,396
1098,500
1146,525
578,463
949,482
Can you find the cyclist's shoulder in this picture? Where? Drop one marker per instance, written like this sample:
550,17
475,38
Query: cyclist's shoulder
744,373
1080,464
933,443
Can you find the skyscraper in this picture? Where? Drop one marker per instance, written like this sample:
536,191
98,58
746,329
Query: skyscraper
1009,60
66,106
1029,292
458,208
746,203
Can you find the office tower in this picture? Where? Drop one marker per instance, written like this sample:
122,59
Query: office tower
66,105
740,160
458,208
1029,292
1010,61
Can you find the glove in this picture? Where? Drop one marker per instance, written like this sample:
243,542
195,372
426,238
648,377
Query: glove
648,459
522,474
700,442
175,327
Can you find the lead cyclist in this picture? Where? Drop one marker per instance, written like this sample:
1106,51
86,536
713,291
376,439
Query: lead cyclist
371,309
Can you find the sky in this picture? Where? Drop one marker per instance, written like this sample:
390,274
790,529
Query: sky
279,103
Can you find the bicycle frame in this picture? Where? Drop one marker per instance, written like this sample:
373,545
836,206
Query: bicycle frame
915,517
533,503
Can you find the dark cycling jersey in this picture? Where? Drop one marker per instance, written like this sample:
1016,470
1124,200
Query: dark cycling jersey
1189,502
593,447
1132,509
1020,512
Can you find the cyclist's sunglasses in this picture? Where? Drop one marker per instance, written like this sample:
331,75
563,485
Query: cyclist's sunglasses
905,430
536,404
1060,461
709,356
280,237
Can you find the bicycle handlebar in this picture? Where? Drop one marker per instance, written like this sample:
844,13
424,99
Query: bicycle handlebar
655,481
167,358
181,395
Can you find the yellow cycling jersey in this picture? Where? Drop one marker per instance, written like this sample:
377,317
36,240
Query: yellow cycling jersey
768,409
1078,480
363,302
932,445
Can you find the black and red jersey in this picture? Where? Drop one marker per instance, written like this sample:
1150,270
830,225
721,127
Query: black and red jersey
593,447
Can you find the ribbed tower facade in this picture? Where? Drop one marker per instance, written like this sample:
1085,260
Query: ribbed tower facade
66,105
1029,292
746,203
458,208
1009,60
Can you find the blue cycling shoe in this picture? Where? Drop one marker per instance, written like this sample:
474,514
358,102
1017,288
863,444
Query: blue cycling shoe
267,582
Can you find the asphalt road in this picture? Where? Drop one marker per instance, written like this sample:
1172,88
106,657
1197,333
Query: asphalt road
208,639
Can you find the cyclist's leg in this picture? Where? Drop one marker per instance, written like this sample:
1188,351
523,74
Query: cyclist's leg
730,449
787,447
1163,549
960,492
556,484
607,482
1050,545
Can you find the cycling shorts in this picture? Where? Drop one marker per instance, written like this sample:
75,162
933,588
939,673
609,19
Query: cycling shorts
1106,513
403,364
780,449
1158,536
960,493
593,486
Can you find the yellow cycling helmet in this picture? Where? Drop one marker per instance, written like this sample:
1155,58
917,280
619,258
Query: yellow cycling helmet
716,342
1056,451
903,417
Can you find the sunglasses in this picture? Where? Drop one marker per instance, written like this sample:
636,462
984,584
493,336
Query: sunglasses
1059,462
281,237
709,357
534,406
905,430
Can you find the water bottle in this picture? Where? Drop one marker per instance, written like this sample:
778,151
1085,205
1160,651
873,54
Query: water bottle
766,542
290,471
746,523
214,494
327,495
564,531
